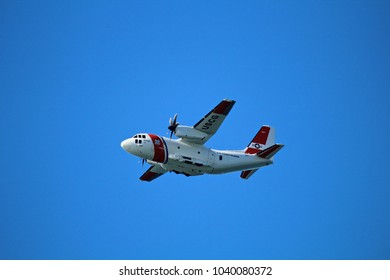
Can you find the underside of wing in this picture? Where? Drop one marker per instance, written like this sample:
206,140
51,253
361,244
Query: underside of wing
152,173
210,123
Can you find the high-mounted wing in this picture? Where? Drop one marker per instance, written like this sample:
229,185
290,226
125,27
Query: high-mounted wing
210,123
152,173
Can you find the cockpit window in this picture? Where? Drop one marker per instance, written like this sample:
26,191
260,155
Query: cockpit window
140,136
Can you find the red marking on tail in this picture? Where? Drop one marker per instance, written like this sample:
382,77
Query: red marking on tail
262,135
258,141
251,151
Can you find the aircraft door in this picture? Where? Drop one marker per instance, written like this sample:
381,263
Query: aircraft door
211,158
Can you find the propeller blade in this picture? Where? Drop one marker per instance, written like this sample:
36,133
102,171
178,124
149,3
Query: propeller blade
172,125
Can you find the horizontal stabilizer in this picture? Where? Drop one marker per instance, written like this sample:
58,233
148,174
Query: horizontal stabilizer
247,173
270,152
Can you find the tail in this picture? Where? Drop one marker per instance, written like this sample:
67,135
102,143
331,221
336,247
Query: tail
264,139
263,145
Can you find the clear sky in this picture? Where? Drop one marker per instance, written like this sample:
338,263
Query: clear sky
78,77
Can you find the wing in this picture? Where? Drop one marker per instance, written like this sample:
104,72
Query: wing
152,173
210,123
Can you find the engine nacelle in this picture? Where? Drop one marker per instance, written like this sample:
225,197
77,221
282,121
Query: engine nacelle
189,132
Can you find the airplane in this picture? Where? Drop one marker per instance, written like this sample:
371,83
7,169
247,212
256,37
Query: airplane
188,155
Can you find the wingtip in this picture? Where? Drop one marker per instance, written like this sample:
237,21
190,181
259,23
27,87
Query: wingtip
224,107
229,100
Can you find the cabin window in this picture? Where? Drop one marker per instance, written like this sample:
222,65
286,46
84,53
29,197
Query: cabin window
220,157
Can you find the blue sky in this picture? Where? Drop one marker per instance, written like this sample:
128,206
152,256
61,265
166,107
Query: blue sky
77,78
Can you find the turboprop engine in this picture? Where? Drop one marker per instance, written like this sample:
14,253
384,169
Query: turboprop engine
189,132
183,131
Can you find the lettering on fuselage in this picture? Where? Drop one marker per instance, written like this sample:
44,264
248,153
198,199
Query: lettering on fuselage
230,155
210,122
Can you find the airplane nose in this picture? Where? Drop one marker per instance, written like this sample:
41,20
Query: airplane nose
126,145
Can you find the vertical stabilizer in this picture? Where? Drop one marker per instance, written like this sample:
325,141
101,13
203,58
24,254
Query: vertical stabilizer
264,139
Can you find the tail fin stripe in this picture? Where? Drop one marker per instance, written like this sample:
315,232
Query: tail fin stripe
261,136
264,138
250,150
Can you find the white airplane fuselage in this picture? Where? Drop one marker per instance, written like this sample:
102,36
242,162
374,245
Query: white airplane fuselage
188,158
187,155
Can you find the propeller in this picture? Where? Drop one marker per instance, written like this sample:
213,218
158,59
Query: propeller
172,125
142,162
